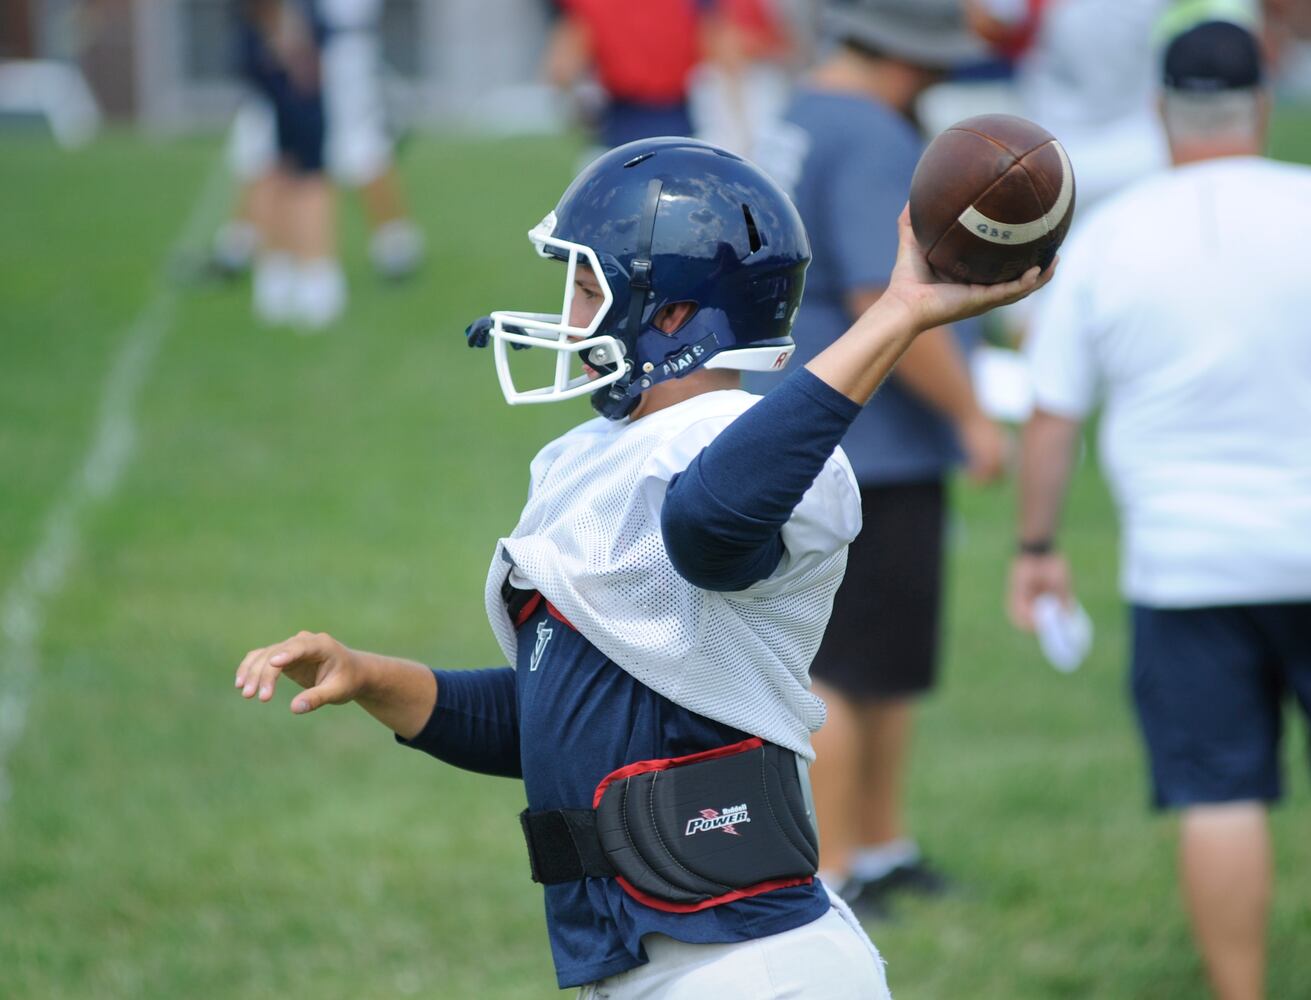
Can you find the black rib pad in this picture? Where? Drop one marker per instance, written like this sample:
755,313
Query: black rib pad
697,831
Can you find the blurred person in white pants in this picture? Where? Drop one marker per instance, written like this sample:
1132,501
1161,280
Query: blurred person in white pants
297,278
358,150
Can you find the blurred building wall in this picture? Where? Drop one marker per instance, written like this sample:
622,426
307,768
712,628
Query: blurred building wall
107,48
17,34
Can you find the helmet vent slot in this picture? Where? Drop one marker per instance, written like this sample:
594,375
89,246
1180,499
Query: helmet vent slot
753,234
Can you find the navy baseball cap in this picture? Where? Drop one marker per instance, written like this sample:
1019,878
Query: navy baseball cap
1211,57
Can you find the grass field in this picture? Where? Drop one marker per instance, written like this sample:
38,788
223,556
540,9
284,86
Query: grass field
164,839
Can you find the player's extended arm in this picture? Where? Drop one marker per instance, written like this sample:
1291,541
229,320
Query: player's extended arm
467,718
723,516
1046,458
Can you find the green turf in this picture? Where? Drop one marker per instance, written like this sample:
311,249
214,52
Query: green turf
165,839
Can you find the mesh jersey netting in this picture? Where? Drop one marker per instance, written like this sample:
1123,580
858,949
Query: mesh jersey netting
589,539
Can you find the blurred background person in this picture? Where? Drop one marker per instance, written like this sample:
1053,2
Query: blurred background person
1085,72
1182,307
640,56
359,150
298,278
846,149
745,78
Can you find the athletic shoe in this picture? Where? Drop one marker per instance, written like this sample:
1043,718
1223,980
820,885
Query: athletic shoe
872,899
319,295
869,907
273,289
397,249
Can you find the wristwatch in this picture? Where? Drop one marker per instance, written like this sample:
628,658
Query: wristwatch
1036,547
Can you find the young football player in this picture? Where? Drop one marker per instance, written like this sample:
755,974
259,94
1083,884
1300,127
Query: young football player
666,586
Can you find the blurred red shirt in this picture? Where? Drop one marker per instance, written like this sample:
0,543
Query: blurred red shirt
643,49
761,28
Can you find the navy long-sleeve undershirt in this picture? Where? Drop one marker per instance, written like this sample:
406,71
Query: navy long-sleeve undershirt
723,516
475,723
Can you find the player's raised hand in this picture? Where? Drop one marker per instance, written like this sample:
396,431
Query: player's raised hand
931,301
332,673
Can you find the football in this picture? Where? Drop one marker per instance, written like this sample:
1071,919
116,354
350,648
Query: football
991,197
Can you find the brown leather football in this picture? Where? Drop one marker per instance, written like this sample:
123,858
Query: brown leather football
991,197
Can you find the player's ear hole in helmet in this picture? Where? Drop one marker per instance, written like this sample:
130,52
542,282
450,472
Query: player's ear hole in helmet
673,317
668,227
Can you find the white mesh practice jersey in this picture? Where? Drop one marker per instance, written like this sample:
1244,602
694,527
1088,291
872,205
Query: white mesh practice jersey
589,539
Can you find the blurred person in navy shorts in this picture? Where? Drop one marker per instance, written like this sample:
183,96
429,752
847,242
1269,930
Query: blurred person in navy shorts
846,150
1181,312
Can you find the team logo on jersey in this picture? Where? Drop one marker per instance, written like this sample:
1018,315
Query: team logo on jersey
544,633
724,819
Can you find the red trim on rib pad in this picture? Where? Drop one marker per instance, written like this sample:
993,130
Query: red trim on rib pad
664,764
728,897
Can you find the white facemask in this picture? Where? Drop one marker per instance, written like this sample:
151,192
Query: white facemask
552,331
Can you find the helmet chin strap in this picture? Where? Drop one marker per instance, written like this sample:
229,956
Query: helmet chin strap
617,400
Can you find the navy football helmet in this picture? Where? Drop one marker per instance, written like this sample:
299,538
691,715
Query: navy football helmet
663,221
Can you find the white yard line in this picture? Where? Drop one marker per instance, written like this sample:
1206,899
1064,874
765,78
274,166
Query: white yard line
46,570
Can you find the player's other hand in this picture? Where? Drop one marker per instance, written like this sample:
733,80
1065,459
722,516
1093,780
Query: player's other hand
1032,576
479,332
331,673
986,448
931,301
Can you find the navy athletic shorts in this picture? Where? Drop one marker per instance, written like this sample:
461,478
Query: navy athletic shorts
300,117
1209,686
302,130
625,121
882,638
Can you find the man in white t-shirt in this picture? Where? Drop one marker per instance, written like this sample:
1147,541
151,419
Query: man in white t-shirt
1182,309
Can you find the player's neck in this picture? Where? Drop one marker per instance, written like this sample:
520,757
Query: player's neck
666,394
895,84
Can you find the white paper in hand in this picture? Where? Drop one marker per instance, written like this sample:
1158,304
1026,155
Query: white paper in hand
1064,633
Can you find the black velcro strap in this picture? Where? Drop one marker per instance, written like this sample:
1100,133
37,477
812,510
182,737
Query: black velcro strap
639,282
519,604
563,845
